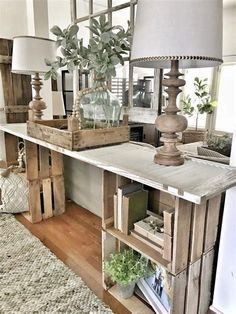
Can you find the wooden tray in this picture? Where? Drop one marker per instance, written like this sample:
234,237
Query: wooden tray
56,132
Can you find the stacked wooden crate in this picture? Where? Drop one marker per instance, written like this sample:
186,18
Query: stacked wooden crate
44,172
187,255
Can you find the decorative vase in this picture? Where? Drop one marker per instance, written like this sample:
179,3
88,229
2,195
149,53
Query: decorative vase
98,107
126,291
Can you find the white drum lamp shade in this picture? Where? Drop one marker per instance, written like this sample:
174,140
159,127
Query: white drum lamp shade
29,54
176,34
28,57
186,30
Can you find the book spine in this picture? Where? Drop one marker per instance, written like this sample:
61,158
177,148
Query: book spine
115,211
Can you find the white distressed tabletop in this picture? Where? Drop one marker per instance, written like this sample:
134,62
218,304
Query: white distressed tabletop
195,181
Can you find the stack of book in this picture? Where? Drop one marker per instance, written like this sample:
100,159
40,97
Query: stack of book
150,230
130,206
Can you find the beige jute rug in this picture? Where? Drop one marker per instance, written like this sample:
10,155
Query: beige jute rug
33,280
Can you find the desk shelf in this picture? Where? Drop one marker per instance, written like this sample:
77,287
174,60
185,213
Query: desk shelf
195,188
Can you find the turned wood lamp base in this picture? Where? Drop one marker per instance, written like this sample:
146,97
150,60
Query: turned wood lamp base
37,105
169,155
171,122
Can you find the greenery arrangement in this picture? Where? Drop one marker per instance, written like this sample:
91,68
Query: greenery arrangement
202,102
106,49
126,267
221,144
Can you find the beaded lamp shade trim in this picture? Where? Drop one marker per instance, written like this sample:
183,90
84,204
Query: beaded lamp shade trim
166,58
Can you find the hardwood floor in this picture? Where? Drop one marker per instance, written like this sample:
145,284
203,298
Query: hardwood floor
75,238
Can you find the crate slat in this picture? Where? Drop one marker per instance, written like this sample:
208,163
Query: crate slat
50,131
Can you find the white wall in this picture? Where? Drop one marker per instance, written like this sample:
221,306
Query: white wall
58,14
225,287
13,18
83,184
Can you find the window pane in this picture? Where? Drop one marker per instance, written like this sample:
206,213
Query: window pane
120,83
99,5
84,32
118,2
143,81
82,8
189,89
226,109
121,17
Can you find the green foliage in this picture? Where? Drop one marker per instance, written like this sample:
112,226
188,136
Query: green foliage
188,109
106,48
126,267
221,144
202,102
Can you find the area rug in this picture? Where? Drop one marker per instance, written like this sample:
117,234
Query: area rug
33,280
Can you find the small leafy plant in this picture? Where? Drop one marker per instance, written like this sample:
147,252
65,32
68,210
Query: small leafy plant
126,267
202,102
106,49
221,144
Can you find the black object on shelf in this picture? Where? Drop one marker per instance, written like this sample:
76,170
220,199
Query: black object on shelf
136,133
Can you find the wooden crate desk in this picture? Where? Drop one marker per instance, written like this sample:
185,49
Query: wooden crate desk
193,190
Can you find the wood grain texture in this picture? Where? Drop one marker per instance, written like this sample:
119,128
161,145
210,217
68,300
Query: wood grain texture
206,279
197,233
64,236
193,288
133,304
183,211
195,181
47,198
77,140
44,162
212,221
11,149
16,87
57,163
59,195
32,163
34,201
140,246
179,292
109,189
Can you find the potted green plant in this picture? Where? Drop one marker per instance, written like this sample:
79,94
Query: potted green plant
220,144
106,49
200,104
125,269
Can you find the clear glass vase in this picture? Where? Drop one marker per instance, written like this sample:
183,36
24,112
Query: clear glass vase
99,108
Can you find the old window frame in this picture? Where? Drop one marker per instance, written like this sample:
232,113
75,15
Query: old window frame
145,115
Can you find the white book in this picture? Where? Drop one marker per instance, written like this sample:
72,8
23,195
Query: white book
121,191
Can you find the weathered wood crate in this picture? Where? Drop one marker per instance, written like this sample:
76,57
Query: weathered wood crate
189,291
56,132
44,172
17,94
190,230
16,87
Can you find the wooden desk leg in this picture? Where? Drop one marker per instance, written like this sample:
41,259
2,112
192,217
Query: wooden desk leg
32,172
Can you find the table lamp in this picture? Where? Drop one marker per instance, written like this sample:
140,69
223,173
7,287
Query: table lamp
173,34
28,57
